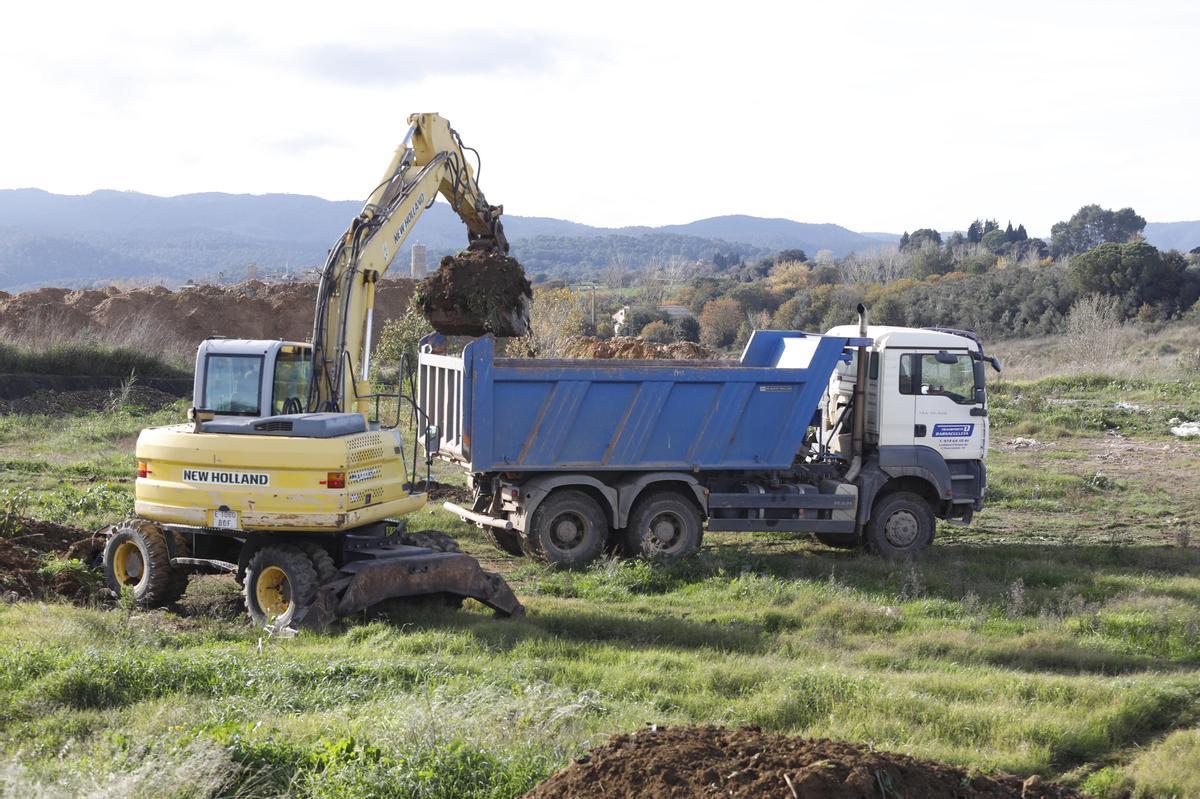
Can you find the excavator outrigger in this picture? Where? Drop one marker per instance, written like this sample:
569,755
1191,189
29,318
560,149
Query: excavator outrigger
280,476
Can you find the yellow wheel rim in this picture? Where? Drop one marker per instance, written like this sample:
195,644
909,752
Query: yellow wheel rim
129,567
273,591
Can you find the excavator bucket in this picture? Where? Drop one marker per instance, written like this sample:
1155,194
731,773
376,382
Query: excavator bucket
393,570
475,293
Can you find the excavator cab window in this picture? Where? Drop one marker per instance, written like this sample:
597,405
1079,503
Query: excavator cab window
293,373
232,383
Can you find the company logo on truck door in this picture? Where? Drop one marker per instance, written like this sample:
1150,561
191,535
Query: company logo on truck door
212,477
953,430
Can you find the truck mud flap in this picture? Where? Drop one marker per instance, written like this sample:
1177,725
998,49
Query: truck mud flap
407,572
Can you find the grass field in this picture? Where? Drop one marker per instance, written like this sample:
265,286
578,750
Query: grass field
1060,635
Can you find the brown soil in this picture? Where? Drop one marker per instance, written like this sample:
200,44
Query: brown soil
22,556
176,321
54,402
474,293
696,762
634,348
440,492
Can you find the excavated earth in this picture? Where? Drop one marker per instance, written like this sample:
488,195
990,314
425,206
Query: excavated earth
178,320
23,550
699,762
634,348
52,402
475,293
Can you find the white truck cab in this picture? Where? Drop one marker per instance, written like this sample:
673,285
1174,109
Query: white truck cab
926,413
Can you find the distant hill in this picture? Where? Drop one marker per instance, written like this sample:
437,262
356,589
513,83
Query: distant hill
54,239
1182,236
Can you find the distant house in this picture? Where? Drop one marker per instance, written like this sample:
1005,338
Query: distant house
672,312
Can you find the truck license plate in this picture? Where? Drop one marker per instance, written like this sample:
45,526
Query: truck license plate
225,519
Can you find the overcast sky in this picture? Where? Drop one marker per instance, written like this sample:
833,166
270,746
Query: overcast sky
880,116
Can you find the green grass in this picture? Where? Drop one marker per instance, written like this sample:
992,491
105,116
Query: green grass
1059,634
83,358
1091,404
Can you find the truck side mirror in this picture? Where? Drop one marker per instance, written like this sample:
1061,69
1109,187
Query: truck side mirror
433,436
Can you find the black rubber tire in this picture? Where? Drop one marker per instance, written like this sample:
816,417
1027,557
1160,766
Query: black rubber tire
155,583
505,540
322,561
912,525
431,539
301,588
567,511
658,513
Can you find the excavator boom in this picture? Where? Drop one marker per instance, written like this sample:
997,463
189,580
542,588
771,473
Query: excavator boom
431,160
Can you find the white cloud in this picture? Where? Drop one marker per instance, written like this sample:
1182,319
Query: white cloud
879,116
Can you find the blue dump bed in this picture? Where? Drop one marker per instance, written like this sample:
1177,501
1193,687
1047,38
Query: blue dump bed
527,415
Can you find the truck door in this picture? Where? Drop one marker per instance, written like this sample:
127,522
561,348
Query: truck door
944,393
896,402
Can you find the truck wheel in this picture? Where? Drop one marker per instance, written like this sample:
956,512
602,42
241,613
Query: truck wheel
568,529
901,524
279,581
136,557
663,526
506,540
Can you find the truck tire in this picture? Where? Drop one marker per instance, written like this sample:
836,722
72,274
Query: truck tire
505,540
663,526
568,529
901,525
279,581
136,557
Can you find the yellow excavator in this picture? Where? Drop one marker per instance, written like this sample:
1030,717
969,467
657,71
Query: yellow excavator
280,476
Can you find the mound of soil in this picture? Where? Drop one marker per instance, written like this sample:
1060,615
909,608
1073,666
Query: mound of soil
440,492
634,348
22,560
56,402
477,292
714,762
176,321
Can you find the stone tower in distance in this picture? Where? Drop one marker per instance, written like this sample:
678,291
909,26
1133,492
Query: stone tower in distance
419,265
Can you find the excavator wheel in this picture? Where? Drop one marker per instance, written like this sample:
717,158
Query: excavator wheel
280,580
136,557
430,539
322,562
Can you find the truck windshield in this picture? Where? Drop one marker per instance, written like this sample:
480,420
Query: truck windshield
925,374
293,372
231,384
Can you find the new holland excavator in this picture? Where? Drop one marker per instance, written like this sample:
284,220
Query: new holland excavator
279,476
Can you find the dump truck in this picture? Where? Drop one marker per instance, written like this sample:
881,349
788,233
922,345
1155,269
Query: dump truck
863,436
283,475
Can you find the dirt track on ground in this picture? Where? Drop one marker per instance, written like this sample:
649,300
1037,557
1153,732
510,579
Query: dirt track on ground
695,762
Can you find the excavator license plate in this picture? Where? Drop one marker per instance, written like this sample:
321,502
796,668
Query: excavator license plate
225,519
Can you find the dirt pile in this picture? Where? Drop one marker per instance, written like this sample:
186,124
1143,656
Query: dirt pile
634,348
474,293
714,762
161,320
56,402
25,574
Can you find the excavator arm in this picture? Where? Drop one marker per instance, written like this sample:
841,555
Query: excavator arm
429,161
